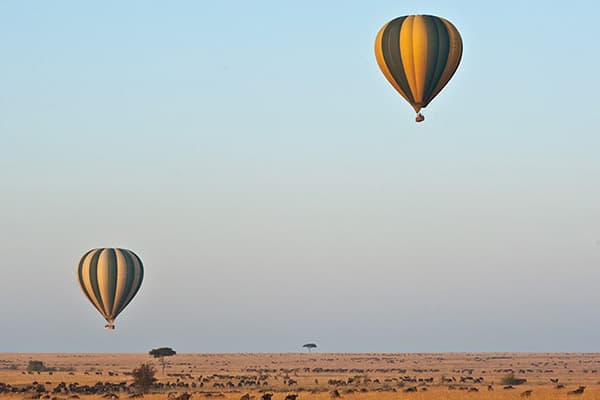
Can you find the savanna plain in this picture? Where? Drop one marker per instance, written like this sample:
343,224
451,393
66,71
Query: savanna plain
307,376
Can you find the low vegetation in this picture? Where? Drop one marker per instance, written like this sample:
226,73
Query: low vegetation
38,366
143,377
512,380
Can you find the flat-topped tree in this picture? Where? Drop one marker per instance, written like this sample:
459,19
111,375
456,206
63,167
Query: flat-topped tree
161,353
309,346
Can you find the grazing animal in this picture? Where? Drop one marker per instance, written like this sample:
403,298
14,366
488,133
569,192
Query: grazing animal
410,390
577,391
334,394
560,386
508,387
490,388
266,396
291,397
245,396
526,393
473,389
554,380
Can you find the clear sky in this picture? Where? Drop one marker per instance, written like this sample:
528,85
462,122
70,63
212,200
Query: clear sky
278,189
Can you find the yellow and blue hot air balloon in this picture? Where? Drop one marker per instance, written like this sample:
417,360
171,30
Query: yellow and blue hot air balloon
110,279
418,54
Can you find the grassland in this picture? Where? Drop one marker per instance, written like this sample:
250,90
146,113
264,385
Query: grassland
413,376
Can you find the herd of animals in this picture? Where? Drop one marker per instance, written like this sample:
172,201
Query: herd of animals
291,377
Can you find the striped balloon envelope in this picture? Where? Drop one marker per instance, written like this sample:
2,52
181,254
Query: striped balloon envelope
110,279
418,54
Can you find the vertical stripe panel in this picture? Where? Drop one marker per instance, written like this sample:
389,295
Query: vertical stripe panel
80,276
381,62
393,57
420,55
443,49
128,283
137,272
141,269
454,57
123,277
88,274
106,273
406,51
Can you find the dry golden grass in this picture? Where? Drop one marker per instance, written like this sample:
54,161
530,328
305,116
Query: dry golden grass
313,371
433,394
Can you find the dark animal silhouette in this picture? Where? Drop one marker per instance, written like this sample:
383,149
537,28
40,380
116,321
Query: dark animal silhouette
577,391
526,393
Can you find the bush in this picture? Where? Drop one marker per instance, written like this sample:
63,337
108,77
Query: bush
510,379
35,366
143,377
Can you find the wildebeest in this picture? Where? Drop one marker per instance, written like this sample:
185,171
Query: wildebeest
266,396
245,396
291,397
411,390
526,393
334,394
577,391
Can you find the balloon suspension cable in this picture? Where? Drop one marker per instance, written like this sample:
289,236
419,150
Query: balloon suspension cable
109,327
420,117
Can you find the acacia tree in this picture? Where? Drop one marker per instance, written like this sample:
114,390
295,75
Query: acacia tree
161,353
310,346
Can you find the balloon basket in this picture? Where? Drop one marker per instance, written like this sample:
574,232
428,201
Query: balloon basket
109,327
420,117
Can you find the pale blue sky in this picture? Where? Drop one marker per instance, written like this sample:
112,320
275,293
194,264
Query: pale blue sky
278,189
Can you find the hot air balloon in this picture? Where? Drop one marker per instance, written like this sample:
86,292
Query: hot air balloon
418,54
110,279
